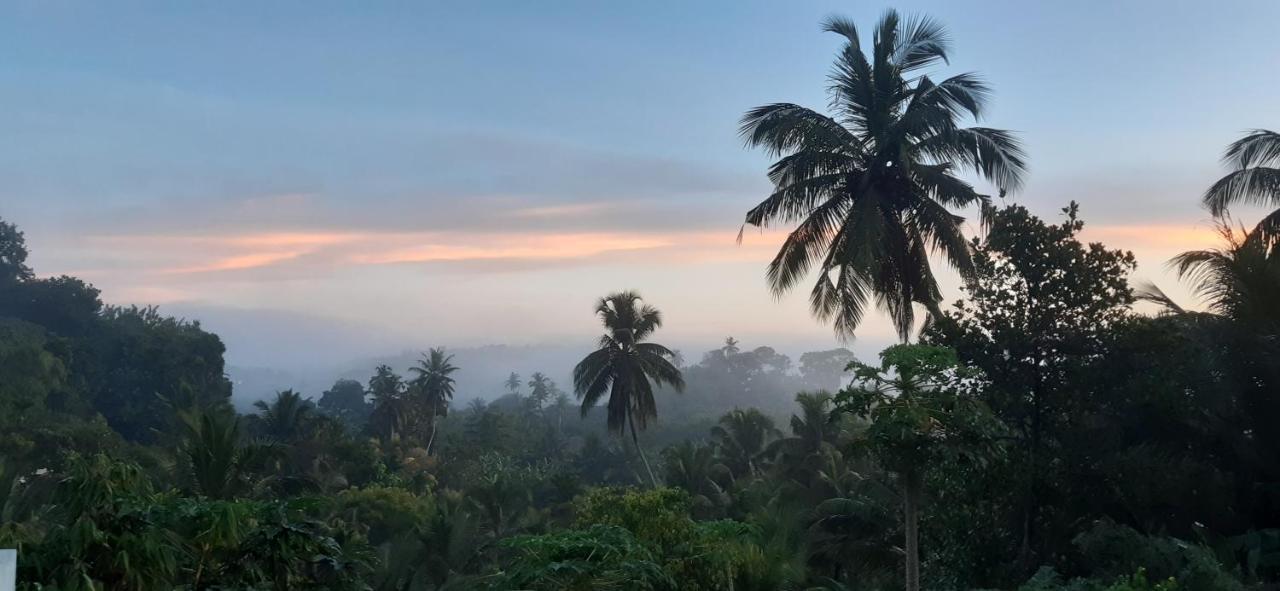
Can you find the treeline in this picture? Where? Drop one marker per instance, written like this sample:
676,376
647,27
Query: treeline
1038,434
1098,445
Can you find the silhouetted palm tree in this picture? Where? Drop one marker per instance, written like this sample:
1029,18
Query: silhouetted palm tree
870,186
626,367
434,386
287,418
540,389
513,383
1254,178
814,435
391,409
1239,281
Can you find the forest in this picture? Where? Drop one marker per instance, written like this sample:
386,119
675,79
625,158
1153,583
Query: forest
1051,427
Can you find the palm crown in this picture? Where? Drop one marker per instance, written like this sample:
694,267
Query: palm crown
869,187
626,366
1254,178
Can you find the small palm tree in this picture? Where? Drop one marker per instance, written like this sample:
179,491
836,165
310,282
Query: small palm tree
434,387
513,384
870,186
742,437
1254,178
694,468
218,464
286,419
627,367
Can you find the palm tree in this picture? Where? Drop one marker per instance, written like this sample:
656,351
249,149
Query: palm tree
626,367
540,389
513,384
870,186
1255,175
391,408
742,437
1239,281
814,435
434,386
694,468
217,463
287,418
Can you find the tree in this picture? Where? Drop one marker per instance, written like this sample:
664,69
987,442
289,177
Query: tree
742,437
823,370
1040,304
627,367
540,389
216,463
513,384
287,418
1254,178
434,387
1239,281
345,401
13,255
921,411
870,187
391,409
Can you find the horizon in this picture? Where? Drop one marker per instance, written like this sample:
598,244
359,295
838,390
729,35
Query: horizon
259,169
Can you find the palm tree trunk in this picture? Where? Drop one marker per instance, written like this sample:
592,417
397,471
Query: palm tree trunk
652,481
912,486
432,438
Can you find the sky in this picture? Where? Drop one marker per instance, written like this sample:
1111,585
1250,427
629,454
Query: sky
318,180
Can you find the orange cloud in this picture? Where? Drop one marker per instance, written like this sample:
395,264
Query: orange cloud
236,263
553,246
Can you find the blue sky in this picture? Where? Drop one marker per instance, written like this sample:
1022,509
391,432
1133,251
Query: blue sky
474,172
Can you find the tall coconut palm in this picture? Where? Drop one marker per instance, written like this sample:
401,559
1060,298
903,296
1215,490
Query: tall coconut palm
1254,178
434,387
540,389
513,384
391,410
870,186
627,367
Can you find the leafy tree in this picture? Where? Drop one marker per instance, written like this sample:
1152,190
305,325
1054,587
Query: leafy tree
30,370
870,187
513,384
13,255
921,412
433,387
627,367
823,370
1038,308
345,401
